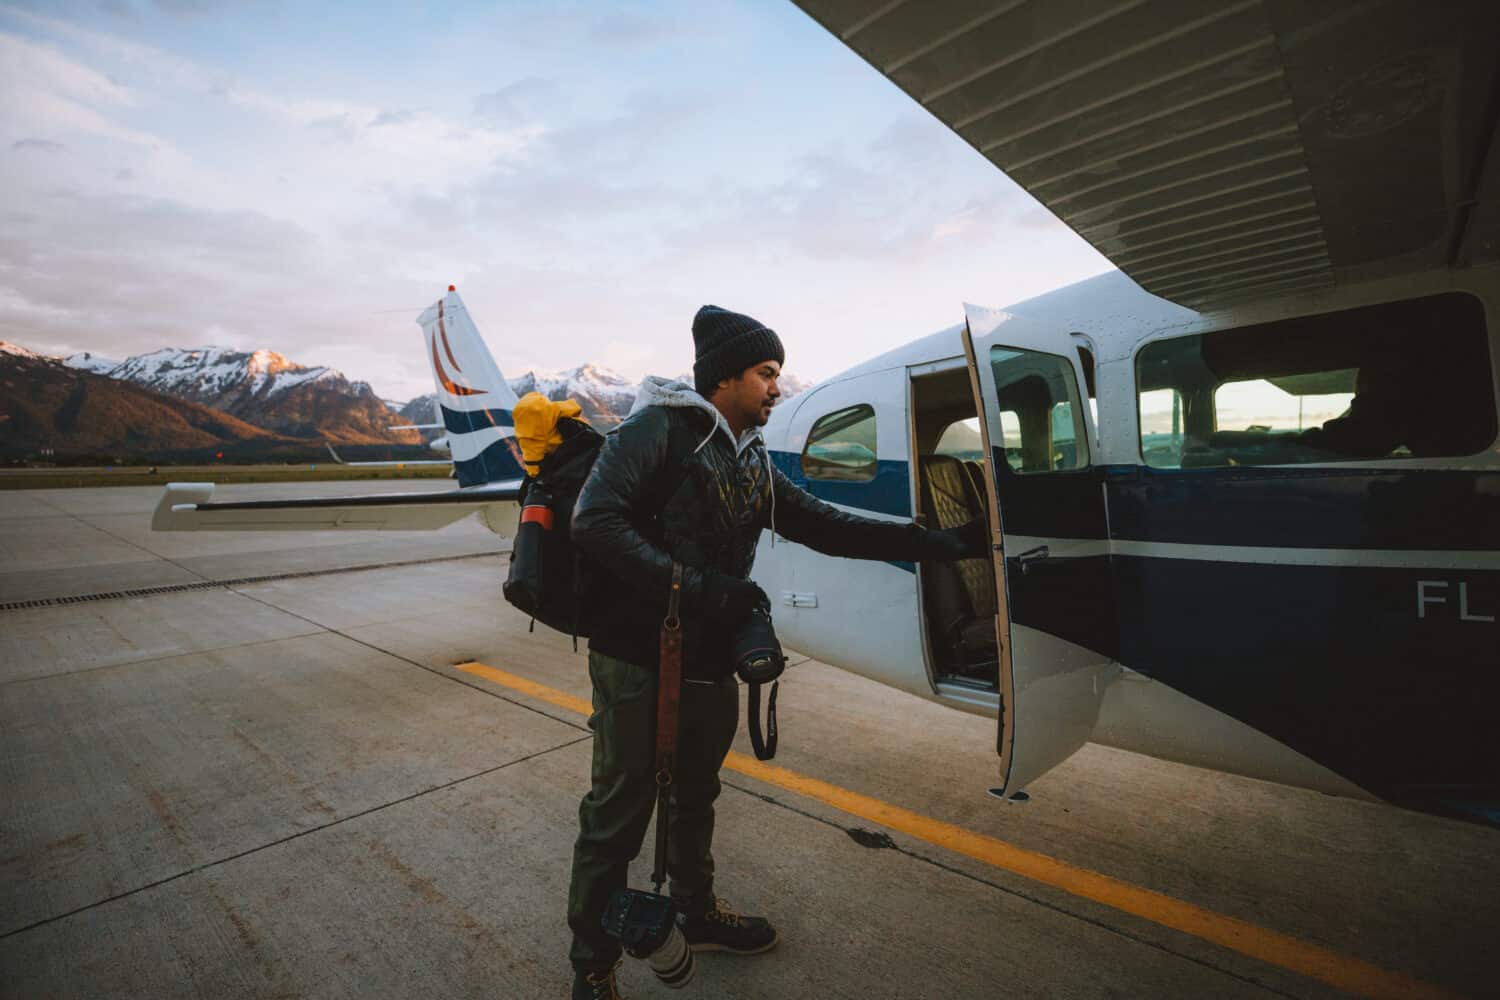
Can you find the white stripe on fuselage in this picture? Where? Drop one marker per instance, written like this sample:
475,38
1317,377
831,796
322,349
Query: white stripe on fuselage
1015,545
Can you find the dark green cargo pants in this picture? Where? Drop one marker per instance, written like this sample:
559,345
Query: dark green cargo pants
614,815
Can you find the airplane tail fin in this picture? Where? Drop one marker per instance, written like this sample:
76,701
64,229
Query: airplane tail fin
475,403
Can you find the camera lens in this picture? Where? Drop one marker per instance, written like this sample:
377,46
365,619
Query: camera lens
673,961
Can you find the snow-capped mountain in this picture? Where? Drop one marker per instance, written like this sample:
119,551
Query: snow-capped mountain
219,376
70,409
605,396
263,388
90,362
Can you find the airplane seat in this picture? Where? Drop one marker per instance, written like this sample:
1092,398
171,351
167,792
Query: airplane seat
959,596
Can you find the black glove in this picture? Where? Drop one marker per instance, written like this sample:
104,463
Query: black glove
969,541
730,600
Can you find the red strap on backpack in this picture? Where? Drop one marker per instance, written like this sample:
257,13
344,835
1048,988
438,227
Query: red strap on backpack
537,514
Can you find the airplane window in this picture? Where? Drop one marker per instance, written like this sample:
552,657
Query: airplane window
1039,393
1010,433
1396,380
841,446
961,440
1276,406
1161,427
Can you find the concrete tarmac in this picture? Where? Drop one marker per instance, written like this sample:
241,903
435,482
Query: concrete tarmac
294,787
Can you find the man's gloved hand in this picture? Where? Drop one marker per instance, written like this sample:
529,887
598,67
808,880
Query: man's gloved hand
730,600
968,541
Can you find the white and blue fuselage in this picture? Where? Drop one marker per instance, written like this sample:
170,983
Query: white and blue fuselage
1304,617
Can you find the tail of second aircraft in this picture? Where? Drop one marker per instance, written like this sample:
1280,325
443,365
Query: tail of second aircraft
474,401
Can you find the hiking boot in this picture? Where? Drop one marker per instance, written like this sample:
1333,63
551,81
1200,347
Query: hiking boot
595,985
710,925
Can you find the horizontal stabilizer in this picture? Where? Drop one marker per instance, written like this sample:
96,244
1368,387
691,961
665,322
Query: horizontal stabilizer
389,463
190,507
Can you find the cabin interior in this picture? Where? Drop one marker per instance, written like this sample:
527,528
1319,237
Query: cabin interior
958,598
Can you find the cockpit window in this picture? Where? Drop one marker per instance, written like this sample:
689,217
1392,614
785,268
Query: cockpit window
841,446
1397,380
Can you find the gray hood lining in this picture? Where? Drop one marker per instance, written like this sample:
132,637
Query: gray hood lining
658,391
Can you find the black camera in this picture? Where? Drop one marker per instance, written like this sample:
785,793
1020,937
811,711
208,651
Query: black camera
755,651
757,658
645,924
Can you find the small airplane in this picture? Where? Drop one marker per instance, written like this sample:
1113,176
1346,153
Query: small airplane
1244,493
1238,600
436,444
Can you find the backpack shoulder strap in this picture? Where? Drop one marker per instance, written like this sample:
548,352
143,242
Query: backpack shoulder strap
681,442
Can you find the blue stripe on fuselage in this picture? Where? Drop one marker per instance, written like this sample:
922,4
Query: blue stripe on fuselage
1301,507
1278,507
888,493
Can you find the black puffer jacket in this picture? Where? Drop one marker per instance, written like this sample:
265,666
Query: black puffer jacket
722,494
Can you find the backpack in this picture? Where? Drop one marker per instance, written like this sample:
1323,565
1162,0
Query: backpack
549,577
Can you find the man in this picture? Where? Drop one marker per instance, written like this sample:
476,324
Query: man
687,478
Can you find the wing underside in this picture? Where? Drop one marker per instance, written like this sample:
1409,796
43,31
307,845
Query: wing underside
1220,151
190,507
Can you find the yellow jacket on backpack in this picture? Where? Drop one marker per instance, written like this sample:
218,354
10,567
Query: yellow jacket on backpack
536,419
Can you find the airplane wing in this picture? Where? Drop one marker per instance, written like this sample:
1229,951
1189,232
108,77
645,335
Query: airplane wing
190,507
1220,151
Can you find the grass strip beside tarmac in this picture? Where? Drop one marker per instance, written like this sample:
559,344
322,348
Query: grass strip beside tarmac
63,477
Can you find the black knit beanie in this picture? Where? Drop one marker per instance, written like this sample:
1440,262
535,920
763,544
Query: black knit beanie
727,343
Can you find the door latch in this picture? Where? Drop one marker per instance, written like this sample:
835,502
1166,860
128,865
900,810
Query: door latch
1032,556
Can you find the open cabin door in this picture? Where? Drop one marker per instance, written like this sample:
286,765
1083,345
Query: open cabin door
1057,621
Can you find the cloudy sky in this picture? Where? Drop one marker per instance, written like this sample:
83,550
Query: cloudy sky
308,177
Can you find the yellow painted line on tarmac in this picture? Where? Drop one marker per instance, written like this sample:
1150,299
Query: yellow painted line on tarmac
540,692
1343,972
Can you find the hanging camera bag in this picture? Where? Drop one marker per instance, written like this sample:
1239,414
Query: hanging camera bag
756,654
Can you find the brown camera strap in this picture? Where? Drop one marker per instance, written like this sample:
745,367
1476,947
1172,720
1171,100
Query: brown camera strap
668,701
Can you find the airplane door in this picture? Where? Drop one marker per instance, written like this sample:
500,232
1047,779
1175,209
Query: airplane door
1057,624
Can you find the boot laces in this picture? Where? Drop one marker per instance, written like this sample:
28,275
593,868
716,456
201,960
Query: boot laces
605,987
722,913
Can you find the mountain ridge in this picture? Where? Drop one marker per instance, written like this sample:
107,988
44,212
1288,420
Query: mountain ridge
261,387
267,397
52,408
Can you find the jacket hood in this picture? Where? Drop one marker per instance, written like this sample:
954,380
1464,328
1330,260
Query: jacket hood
658,391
